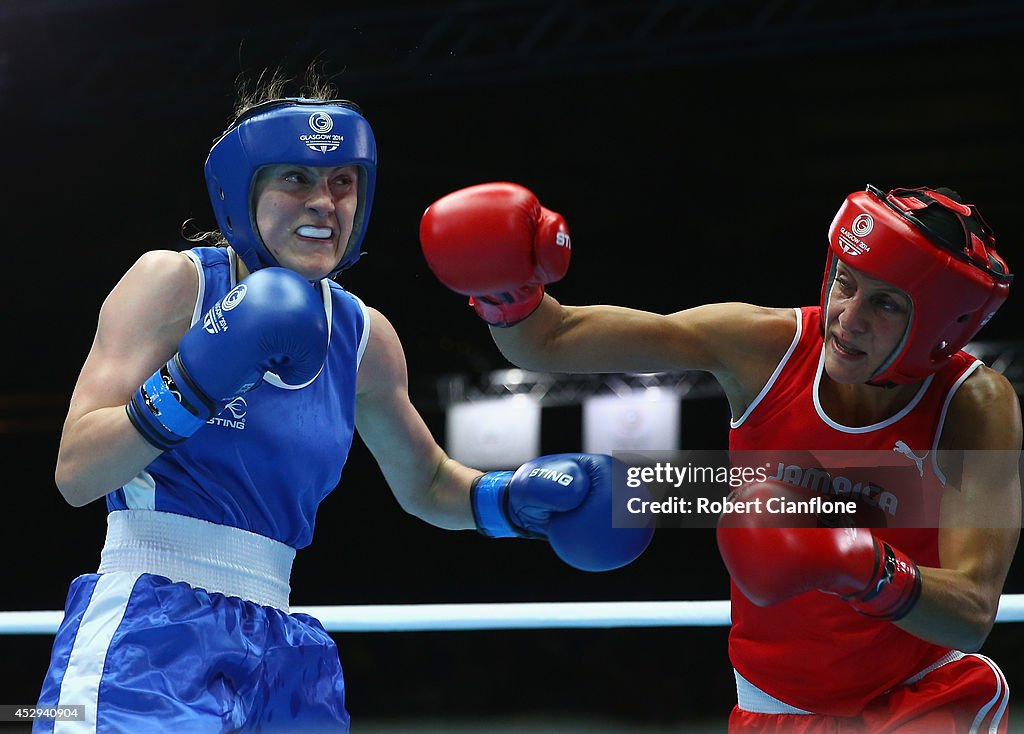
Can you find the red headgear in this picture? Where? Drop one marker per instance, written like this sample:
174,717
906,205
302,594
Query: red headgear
955,287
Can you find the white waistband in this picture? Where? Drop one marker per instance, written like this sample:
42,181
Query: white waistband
217,558
751,698
949,657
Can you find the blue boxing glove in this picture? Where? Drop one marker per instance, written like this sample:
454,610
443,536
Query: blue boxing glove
565,499
273,321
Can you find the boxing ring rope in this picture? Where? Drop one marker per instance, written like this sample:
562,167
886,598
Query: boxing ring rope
463,617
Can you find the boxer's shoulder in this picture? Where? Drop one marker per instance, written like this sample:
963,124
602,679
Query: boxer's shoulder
749,343
744,335
164,267
161,280
154,299
983,413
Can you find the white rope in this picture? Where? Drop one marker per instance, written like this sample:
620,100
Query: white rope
556,615
452,617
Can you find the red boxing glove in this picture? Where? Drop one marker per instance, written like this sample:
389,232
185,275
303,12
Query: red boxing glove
496,243
773,556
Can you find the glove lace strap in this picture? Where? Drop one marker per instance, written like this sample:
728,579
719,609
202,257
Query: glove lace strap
895,587
489,499
508,309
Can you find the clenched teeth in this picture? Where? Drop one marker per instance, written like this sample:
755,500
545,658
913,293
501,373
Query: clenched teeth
320,233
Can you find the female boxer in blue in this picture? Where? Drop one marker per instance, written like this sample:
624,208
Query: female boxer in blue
215,411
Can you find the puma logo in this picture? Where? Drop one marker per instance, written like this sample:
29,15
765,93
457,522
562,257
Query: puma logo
902,448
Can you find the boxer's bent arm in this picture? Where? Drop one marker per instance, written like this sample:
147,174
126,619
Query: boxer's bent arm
140,324
425,481
979,517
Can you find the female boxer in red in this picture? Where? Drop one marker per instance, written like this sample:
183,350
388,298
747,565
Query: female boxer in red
836,629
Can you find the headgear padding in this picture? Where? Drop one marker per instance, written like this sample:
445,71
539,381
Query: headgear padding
955,287
307,132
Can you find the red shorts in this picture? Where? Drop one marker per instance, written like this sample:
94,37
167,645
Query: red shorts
964,696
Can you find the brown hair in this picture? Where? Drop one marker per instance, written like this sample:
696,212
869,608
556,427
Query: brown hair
316,84
269,85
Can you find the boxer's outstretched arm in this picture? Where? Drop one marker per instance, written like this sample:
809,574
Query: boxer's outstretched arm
716,337
498,245
738,343
424,480
565,499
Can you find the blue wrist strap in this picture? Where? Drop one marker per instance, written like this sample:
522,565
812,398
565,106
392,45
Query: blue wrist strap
157,412
488,497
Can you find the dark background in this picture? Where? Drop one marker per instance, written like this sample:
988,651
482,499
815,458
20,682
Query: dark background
698,150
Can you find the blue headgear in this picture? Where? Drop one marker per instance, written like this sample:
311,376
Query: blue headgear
305,132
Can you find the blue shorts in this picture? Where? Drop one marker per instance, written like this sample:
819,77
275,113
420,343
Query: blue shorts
142,653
